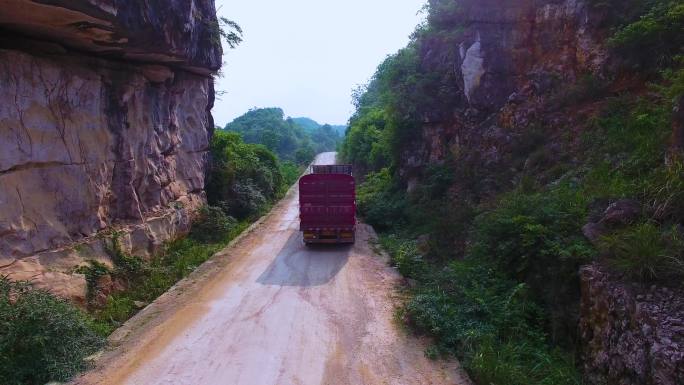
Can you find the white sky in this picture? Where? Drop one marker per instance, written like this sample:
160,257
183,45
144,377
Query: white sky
306,56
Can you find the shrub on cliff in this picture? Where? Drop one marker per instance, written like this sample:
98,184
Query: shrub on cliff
654,40
379,202
42,338
645,252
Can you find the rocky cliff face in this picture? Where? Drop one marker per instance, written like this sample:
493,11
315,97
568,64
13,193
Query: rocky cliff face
104,125
510,58
515,64
632,334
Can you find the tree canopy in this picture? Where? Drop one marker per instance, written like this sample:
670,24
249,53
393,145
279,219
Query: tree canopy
292,139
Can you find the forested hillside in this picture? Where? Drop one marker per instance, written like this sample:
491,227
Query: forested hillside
295,140
523,164
311,125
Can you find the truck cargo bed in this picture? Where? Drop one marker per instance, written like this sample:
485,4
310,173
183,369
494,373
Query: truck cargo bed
327,204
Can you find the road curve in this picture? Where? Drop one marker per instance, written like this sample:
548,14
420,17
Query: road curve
268,310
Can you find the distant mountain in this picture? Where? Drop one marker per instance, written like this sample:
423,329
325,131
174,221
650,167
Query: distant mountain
292,139
310,125
306,123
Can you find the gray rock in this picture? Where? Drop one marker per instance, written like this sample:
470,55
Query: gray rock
621,212
112,135
594,231
178,32
625,342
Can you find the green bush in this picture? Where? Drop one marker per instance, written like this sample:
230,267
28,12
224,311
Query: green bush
212,225
93,272
665,192
379,202
587,88
243,178
405,256
536,238
42,338
644,252
654,40
290,172
522,362
491,323
365,144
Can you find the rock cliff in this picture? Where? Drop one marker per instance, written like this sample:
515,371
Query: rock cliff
527,78
632,334
511,57
104,126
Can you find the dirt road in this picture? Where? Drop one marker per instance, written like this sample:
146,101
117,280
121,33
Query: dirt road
268,310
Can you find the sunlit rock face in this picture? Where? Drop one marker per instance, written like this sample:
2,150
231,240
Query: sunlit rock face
104,125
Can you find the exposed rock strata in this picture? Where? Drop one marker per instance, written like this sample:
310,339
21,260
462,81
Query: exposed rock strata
177,32
631,335
111,137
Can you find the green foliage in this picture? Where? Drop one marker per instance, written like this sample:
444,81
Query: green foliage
629,164
522,362
290,172
379,202
405,90
93,272
366,144
221,29
405,256
618,13
148,279
42,338
491,323
626,145
536,239
212,225
309,125
644,252
587,88
285,137
665,193
654,40
230,31
243,178
304,155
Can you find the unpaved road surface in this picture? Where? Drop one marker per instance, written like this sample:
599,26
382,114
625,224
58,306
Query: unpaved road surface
269,310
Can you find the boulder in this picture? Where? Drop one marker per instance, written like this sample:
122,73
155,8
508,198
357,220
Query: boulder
621,212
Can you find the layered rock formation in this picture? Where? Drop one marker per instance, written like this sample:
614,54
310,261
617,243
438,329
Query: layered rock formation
104,126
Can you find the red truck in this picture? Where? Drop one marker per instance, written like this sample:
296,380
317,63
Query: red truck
327,204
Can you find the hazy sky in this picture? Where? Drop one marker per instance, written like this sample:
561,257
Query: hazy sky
305,56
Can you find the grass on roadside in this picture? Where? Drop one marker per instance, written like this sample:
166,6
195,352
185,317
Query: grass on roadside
147,280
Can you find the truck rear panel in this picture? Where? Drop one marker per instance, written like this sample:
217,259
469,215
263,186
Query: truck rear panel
327,204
